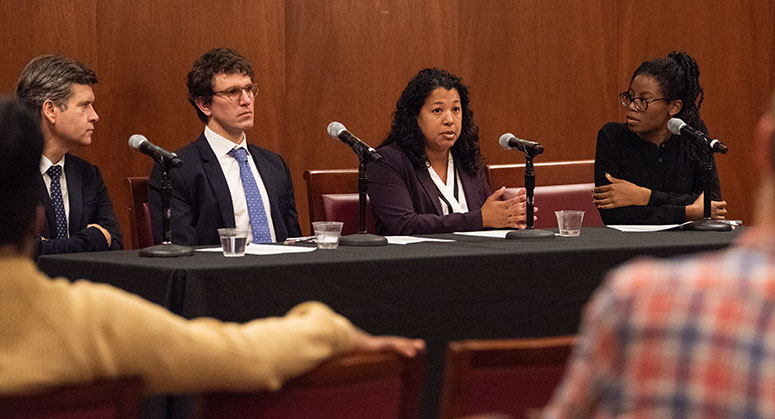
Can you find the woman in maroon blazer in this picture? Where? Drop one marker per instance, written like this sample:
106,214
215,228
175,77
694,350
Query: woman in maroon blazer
431,178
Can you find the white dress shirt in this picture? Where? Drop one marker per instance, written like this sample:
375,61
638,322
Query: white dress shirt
230,167
447,188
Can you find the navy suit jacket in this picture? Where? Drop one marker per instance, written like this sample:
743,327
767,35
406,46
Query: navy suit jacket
201,201
405,200
89,204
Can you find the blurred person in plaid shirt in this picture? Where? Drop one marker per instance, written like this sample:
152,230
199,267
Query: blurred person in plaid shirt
687,338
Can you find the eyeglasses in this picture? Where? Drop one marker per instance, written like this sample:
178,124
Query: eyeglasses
641,103
235,93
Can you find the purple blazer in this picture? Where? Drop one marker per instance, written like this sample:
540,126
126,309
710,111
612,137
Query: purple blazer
405,200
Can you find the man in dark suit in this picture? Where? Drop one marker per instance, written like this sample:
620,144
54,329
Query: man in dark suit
224,181
79,214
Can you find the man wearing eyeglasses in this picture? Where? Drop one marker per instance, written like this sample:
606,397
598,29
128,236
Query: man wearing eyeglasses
225,182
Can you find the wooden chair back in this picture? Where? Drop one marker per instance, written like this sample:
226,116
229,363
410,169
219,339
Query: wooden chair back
139,212
563,185
383,385
546,173
333,196
515,377
106,399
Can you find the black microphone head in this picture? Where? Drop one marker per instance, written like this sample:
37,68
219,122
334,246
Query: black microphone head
675,125
504,140
136,140
335,128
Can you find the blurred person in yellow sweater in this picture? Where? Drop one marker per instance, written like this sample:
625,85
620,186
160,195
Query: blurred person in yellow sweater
55,332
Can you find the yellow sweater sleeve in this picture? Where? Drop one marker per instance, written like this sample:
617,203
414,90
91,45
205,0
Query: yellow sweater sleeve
85,331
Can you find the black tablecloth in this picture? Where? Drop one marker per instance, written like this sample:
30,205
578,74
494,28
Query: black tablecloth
473,288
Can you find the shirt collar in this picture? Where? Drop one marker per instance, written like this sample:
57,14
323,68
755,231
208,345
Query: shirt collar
674,139
221,145
45,163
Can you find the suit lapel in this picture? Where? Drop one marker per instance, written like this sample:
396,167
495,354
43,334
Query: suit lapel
45,201
74,194
430,188
217,180
470,188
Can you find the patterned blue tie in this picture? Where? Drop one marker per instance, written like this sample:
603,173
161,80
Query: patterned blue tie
258,221
54,172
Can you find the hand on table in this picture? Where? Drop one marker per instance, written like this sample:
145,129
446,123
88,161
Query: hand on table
508,213
696,211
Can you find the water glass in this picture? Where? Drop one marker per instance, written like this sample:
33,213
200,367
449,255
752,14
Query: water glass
327,233
569,222
233,241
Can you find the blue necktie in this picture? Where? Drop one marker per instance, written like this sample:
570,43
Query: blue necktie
54,172
258,221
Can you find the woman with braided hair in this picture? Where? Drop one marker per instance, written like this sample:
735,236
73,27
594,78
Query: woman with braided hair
643,173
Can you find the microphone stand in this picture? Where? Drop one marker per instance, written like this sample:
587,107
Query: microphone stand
362,238
530,231
166,249
707,224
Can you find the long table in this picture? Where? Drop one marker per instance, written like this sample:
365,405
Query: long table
472,288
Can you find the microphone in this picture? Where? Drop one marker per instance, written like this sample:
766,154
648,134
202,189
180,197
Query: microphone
338,131
678,127
141,144
510,142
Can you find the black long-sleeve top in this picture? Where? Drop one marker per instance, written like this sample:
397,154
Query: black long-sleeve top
672,171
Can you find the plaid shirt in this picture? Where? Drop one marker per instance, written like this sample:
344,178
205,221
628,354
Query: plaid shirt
688,338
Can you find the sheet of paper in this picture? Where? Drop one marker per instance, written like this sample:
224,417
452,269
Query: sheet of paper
265,249
498,234
412,239
644,228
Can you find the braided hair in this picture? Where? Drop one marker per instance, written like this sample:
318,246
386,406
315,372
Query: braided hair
679,78
405,131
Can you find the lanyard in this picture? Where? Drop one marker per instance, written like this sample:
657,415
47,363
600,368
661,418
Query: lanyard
449,199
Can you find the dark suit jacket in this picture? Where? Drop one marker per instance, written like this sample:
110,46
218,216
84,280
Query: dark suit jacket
405,200
89,204
201,202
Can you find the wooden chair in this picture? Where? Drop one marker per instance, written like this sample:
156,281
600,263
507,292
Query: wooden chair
139,213
547,173
559,185
355,386
109,399
333,196
515,377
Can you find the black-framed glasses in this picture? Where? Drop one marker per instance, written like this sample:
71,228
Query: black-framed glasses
641,103
235,93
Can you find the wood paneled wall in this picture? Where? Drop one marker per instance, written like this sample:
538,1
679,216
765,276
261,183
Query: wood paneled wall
545,70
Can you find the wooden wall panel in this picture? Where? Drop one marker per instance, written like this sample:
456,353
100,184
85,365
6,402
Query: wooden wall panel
348,61
35,27
146,49
142,51
546,70
541,70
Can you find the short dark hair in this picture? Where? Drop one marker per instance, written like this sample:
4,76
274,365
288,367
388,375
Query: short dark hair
51,77
405,131
21,145
215,61
678,76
